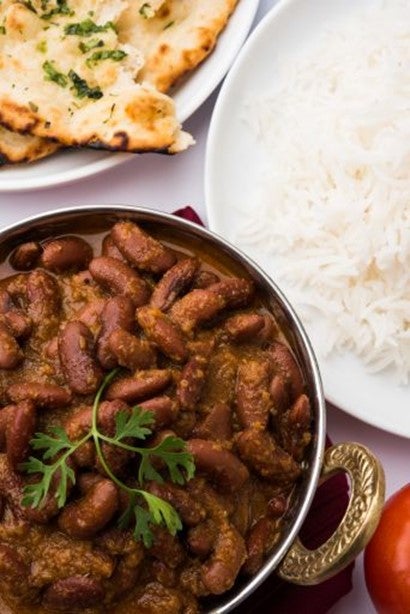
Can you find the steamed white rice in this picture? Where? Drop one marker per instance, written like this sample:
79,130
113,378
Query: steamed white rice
333,204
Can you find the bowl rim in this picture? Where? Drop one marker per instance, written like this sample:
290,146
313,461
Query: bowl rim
146,214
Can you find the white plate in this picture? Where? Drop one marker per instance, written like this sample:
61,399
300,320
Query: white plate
233,167
68,166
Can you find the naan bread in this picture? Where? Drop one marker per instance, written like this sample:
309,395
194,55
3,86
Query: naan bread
174,36
52,87
23,148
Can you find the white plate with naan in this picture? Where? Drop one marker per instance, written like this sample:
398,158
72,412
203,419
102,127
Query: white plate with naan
67,166
237,163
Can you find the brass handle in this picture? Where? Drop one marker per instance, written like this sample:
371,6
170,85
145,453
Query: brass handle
303,566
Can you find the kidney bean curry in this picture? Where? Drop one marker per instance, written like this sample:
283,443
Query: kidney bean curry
154,424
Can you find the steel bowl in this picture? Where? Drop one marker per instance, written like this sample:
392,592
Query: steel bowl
290,560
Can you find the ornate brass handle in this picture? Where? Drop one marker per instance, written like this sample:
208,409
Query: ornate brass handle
303,566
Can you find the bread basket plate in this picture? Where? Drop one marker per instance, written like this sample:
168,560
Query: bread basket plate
67,166
233,171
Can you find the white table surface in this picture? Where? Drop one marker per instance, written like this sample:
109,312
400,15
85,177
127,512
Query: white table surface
168,183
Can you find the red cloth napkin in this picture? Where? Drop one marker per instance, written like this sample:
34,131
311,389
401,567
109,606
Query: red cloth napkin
326,512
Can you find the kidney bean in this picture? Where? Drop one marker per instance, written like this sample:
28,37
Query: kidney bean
44,300
294,427
202,537
217,424
90,314
259,450
221,466
82,519
118,313
75,347
18,323
11,488
87,480
14,318
20,429
175,281
190,511
108,248
220,571
243,327
78,423
142,385
163,408
277,506
204,279
11,354
280,395
25,256
196,308
14,573
242,513
267,332
47,396
119,278
66,254
259,542
75,592
235,292
163,332
191,383
253,400
286,366
130,351
140,249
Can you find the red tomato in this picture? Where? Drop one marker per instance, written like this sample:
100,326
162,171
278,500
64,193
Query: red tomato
387,557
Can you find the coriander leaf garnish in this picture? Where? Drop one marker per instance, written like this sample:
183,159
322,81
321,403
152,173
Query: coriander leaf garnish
82,89
87,27
35,494
85,47
134,425
52,74
179,462
144,509
158,512
116,55
61,8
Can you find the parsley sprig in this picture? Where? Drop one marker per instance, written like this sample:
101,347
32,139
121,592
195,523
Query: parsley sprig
144,509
